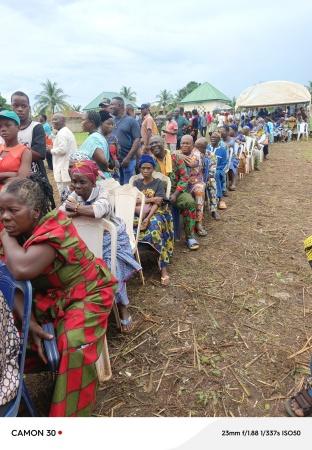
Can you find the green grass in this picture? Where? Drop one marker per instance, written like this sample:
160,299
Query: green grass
80,137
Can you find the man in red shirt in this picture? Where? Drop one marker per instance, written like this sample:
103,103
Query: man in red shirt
171,133
148,127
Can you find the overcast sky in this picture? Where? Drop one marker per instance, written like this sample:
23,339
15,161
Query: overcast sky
90,46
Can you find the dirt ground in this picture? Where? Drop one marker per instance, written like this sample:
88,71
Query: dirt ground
232,335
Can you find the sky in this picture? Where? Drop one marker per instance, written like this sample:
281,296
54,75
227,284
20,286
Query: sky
90,46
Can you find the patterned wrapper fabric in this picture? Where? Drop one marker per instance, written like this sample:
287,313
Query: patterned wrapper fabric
76,292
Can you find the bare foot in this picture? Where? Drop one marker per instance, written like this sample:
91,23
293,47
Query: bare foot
164,280
296,408
126,321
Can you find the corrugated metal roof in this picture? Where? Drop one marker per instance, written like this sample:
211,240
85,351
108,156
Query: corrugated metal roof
94,104
205,92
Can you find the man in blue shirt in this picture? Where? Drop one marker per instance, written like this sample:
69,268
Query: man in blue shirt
182,122
127,131
218,156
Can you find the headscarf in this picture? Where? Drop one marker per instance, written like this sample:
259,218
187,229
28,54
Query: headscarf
147,159
77,156
86,168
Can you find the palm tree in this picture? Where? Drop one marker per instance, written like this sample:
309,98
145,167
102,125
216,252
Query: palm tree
128,93
51,98
76,108
3,103
165,98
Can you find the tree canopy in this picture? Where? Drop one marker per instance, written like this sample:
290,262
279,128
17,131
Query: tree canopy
51,99
165,98
191,85
3,103
128,93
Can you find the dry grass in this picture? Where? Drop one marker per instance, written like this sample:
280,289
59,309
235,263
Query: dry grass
232,334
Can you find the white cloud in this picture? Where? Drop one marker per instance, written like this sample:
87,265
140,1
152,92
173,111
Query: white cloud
87,47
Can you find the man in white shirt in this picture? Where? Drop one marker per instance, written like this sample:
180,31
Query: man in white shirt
64,144
220,118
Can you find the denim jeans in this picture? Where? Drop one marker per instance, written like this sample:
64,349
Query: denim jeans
127,172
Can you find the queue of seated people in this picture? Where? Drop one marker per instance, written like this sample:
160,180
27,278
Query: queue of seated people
74,289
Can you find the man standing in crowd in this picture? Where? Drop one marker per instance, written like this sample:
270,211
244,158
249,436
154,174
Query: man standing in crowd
171,132
209,118
203,124
48,132
127,131
148,127
105,105
64,144
31,134
130,110
182,122
195,124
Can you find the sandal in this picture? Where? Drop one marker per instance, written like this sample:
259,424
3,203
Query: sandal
126,325
215,215
165,281
222,205
201,231
303,400
192,243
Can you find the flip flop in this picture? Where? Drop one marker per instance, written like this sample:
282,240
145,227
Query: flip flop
165,281
201,232
192,244
222,205
126,325
304,402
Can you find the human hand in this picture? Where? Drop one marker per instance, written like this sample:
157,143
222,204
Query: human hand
37,334
157,200
71,206
188,160
144,224
125,162
71,214
173,197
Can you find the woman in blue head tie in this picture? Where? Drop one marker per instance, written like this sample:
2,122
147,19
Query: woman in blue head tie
157,225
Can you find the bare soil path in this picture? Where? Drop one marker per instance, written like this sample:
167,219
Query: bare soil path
221,339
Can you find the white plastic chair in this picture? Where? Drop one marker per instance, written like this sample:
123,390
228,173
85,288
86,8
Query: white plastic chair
109,185
92,231
158,175
125,198
230,156
241,150
302,129
250,143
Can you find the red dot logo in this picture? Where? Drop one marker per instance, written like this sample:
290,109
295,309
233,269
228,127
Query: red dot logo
60,432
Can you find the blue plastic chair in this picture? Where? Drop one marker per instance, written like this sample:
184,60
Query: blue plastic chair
8,286
50,348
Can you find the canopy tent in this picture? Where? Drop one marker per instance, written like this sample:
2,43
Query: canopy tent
273,93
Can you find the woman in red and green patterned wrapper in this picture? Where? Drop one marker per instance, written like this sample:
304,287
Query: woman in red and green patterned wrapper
71,287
